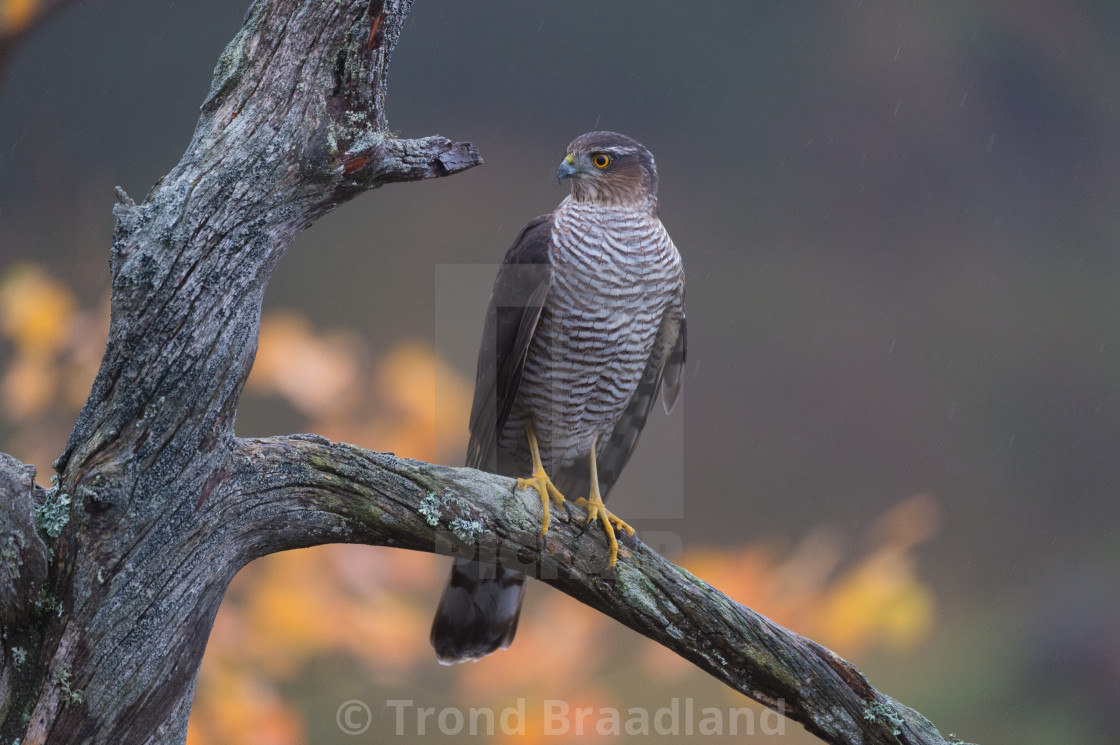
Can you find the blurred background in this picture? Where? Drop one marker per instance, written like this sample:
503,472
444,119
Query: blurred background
901,427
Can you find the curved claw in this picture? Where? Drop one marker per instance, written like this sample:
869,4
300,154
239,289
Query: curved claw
541,482
581,529
596,510
548,491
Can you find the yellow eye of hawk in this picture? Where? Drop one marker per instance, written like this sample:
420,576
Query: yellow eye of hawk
601,160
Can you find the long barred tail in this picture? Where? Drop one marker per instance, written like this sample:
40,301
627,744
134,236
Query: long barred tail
478,611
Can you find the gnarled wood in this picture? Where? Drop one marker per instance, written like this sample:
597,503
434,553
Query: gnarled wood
304,490
23,555
158,504
293,125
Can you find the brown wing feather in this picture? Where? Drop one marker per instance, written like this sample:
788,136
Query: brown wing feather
523,282
479,608
673,381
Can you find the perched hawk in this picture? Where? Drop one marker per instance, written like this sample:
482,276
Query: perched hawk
586,322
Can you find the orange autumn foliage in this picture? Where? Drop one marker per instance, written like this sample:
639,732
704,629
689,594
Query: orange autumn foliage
53,350
846,603
35,310
15,15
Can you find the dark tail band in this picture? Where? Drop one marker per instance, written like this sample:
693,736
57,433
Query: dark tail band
478,611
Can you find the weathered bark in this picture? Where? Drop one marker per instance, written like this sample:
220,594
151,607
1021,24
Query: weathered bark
158,504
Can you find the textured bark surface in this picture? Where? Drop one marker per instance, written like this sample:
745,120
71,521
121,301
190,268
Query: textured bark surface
110,580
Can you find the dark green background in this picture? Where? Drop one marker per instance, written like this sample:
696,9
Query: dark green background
900,224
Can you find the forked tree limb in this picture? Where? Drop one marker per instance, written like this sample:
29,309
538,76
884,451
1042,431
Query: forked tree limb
111,579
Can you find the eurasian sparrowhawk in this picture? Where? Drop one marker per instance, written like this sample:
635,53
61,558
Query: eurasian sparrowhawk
586,322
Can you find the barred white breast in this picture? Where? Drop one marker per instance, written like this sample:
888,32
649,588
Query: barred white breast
616,272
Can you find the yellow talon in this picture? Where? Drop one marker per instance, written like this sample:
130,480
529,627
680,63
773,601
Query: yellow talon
544,486
540,481
596,510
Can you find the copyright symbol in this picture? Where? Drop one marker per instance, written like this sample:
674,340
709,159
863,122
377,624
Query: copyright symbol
353,717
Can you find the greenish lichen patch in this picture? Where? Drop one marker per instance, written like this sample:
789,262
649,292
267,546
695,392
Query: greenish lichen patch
880,713
19,656
455,512
466,531
11,558
461,506
63,679
48,603
51,516
638,591
364,141
332,140
429,508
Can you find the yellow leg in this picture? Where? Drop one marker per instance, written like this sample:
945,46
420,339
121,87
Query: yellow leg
597,510
540,480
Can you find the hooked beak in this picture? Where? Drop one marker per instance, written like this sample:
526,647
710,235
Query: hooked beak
567,168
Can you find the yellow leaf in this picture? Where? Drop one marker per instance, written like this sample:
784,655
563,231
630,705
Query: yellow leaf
234,707
880,598
286,610
28,386
383,630
431,403
314,374
559,643
15,15
35,310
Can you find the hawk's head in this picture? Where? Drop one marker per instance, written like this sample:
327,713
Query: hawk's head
609,168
